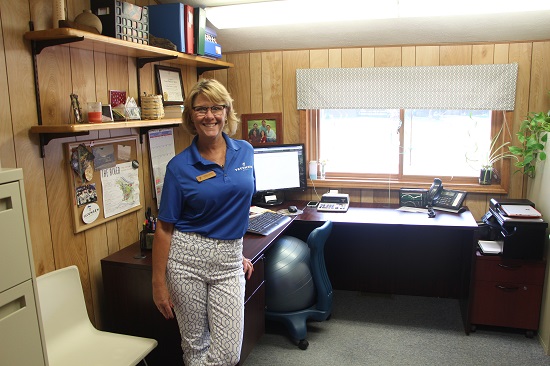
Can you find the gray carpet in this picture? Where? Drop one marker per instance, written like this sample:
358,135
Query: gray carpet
370,329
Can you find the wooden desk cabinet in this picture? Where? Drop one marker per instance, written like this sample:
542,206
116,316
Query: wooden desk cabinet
129,306
507,292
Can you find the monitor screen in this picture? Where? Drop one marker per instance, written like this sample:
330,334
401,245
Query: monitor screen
280,167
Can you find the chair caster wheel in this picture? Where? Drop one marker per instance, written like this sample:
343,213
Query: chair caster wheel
303,344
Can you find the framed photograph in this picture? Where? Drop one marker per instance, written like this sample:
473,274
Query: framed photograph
107,113
263,128
170,84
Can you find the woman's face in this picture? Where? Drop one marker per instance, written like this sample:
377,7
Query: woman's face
208,124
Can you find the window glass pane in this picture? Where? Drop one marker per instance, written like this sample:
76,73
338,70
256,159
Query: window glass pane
360,140
437,142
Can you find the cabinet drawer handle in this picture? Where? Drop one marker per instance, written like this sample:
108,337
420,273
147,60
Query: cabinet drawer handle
509,266
506,288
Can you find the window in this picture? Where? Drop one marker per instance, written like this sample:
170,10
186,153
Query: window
402,145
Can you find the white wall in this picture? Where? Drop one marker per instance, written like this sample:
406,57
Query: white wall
538,191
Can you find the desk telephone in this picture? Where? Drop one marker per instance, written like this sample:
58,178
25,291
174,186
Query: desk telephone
442,199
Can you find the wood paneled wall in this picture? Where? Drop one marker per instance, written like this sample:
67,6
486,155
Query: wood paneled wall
263,82
260,82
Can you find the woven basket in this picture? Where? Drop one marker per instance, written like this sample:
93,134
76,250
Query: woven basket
151,107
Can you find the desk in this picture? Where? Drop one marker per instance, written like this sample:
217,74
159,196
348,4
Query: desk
371,248
129,306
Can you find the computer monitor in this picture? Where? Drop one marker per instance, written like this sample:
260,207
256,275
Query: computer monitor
278,168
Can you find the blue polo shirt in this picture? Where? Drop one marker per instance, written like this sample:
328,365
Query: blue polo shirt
216,207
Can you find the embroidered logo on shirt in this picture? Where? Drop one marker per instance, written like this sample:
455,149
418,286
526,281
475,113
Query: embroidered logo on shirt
243,167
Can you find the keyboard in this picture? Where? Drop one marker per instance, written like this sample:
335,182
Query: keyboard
266,223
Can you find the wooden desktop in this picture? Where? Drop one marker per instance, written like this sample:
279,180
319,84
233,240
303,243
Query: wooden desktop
372,248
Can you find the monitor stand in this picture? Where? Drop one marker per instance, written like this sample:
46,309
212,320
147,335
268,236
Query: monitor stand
270,198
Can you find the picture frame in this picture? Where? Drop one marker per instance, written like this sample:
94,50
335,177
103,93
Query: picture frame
170,84
107,113
271,123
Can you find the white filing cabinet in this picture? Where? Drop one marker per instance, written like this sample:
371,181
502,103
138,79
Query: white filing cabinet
21,334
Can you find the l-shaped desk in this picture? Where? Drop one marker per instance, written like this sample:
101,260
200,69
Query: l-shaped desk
371,248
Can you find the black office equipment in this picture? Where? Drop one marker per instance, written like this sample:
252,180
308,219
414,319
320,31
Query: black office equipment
523,238
266,223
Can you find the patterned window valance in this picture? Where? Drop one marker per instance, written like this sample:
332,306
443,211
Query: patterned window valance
487,87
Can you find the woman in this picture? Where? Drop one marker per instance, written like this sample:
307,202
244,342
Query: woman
198,266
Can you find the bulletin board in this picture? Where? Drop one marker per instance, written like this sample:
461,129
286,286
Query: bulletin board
105,181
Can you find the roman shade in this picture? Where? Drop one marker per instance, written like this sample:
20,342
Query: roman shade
483,87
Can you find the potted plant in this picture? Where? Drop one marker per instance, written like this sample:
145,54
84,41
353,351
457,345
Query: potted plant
532,134
486,159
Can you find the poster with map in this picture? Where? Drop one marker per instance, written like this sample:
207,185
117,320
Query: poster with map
120,186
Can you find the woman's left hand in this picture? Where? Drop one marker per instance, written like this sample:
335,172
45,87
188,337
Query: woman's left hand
248,268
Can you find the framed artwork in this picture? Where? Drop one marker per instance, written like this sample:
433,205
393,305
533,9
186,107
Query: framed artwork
170,84
263,128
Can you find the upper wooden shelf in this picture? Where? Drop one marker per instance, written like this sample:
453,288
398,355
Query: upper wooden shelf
47,133
87,127
96,42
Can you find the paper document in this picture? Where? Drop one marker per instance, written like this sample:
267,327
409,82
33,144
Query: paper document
520,211
490,246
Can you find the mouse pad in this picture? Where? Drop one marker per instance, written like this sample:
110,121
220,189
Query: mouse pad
285,211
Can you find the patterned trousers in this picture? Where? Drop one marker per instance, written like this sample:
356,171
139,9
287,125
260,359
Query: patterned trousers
206,283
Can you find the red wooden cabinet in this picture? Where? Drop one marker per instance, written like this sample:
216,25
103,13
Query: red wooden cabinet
507,292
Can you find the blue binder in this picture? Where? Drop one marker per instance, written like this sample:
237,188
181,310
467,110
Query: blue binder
167,21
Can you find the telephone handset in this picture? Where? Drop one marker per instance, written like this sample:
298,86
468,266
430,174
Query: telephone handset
434,192
443,199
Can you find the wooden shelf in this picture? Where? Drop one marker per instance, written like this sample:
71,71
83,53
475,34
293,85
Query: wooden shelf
87,127
96,42
50,132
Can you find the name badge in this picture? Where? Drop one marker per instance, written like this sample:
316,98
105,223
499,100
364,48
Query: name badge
206,176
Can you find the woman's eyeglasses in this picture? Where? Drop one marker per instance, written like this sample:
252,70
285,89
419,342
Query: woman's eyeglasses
216,110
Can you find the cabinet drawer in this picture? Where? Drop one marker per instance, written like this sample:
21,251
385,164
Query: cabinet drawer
506,304
514,271
256,280
20,342
14,260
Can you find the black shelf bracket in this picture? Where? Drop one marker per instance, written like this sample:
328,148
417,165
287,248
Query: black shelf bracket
201,70
142,61
38,46
45,138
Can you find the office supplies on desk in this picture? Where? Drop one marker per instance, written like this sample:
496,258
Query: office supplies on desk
266,222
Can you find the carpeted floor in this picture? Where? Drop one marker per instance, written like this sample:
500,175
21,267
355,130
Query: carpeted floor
371,329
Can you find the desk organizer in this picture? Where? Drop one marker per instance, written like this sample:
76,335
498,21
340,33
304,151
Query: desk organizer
123,20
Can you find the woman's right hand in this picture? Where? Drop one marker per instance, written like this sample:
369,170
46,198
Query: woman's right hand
161,297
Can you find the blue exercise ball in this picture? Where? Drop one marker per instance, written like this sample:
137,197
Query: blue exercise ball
289,285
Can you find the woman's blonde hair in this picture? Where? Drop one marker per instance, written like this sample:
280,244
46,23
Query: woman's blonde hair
217,94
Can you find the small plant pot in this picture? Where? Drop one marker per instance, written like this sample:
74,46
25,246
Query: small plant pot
485,176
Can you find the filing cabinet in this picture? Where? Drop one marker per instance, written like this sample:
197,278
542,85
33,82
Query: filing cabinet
21,334
507,292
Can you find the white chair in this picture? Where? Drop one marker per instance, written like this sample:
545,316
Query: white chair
71,339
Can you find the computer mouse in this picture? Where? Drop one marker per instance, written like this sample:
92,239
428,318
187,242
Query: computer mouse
292,209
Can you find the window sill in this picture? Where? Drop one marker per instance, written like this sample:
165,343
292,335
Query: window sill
395,185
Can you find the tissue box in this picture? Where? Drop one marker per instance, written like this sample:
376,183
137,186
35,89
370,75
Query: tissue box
123,20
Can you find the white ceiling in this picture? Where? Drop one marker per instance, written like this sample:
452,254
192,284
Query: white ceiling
525,26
